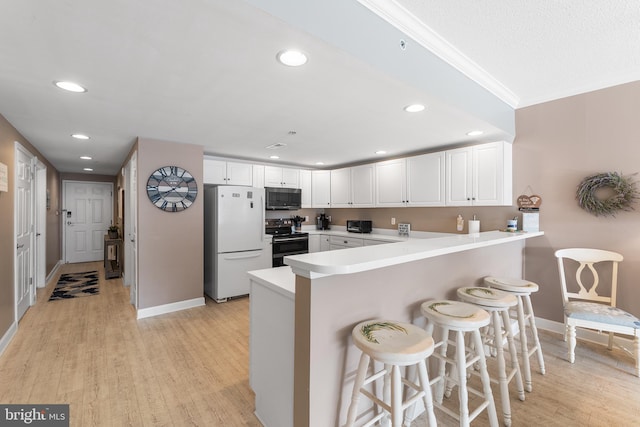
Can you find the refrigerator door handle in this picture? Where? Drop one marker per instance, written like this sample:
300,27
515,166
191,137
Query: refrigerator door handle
242,255
263,219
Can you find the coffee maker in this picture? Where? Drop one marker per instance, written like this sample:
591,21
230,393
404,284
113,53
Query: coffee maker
323,222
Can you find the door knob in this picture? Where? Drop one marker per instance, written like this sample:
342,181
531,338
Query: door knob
69,223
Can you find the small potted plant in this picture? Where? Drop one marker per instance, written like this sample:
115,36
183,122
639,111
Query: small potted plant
113,232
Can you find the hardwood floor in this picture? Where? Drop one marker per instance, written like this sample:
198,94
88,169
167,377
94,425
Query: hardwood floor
190,368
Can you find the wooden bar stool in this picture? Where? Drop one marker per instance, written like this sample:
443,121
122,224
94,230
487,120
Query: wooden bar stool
498,304
458,318
394,344
522,289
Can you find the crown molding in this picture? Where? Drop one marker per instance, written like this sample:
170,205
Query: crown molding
405,21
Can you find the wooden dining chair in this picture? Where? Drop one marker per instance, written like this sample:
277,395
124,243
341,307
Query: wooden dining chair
590,308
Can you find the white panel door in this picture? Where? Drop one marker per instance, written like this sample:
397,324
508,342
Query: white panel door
24,233
87,213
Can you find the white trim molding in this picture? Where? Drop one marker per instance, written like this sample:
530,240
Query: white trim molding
408,23
7,337
53,271
169,308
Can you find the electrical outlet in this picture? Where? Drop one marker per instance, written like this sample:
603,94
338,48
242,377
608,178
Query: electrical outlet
306,218
393,221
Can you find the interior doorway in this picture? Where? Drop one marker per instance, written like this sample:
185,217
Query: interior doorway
24,231
87,212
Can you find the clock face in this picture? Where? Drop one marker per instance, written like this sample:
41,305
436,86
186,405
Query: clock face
172,189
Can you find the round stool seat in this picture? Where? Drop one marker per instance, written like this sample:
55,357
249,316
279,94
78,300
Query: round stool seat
455,314
487,297
392,342
509,284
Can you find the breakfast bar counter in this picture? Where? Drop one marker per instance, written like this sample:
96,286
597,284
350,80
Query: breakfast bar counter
309,325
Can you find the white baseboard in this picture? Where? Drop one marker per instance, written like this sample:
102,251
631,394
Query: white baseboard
583,334
53,271
7,337
170,308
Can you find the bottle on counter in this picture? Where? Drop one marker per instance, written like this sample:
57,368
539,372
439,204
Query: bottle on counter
459,223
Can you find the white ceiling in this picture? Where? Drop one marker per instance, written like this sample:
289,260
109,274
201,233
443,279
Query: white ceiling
204,72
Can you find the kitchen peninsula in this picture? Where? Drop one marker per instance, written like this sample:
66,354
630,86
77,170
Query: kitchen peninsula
302,361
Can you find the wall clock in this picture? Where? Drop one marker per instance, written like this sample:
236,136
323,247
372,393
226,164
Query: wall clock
172,189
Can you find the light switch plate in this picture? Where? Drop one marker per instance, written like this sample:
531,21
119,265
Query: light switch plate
404,229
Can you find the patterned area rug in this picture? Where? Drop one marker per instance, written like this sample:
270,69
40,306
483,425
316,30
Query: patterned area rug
73,285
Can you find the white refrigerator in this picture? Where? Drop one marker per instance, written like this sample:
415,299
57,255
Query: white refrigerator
234,239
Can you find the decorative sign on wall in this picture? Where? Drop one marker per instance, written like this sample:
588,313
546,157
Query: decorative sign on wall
4,177
529,202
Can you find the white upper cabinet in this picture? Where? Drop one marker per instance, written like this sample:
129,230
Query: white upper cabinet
426,180
391,183
281,177
413,181
258,176
320,189
352,187
305,186
231,173
480,175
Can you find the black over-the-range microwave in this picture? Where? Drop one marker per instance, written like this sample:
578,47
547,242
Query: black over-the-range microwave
283,199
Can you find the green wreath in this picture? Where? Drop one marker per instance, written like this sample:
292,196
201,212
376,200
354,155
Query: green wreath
623,189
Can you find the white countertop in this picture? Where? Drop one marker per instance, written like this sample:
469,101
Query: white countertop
279,279
354,260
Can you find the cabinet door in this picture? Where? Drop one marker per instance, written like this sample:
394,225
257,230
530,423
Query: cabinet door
426,180
324,243
492,174
305,186
320,189
390,179
258,176
214,171
362,184
314,243
239,174
290,178
341,188
272,176
459,177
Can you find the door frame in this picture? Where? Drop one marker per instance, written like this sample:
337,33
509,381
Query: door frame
130,274
41,224
32,285
63,211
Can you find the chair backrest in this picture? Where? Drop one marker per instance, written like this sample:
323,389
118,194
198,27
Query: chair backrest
587,258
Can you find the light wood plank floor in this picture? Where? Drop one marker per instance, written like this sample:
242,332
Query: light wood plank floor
190,368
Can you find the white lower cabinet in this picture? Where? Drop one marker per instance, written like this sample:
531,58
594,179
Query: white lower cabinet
314,243
339,242
324,242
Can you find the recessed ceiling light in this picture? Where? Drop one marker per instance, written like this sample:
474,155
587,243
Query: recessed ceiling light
319,163
85,157
80,136
292,57
70,86
475,133
88,169
414,108
274,157
381,152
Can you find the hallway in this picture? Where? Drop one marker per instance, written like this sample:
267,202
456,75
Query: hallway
178,369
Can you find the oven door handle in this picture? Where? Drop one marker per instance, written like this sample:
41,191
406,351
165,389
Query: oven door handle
290,239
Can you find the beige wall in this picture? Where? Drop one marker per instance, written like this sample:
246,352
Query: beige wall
558,144
170,244
8,136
